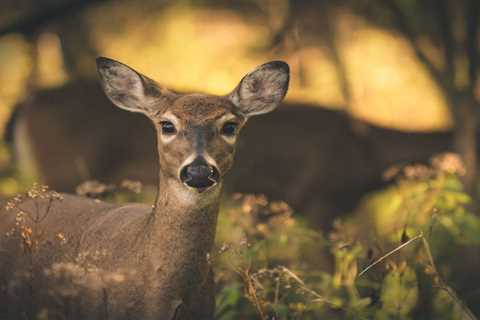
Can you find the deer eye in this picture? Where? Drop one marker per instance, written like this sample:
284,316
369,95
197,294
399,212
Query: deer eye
168,128
229,128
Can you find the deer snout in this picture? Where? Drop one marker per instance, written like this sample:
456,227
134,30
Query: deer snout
199,174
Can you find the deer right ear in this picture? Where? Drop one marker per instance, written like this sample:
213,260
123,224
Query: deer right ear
262,90
127,88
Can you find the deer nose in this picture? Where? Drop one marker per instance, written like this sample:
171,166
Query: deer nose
199,174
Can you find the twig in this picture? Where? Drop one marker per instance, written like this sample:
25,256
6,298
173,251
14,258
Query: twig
318,297
252,292
443,285
277,291
388,254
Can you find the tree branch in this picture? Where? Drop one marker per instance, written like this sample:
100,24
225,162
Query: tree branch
334,52
472,13
281,34
401,24
440,7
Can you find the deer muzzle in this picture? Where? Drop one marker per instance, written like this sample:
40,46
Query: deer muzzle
199,174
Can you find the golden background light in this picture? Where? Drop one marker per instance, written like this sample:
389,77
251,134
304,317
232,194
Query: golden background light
205,49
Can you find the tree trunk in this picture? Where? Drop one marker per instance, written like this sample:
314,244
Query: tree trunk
465,139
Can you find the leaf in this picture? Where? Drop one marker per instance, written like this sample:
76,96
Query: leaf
281,311
405,236
463,226
399,292
229,296
445,307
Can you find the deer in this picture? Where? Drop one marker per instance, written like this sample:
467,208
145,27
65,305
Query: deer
146,262
325,171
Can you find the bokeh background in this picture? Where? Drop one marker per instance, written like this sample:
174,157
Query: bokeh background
406,66
343,54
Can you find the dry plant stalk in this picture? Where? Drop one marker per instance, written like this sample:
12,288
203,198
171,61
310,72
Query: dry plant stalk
439,282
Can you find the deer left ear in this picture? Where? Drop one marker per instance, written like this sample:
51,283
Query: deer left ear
129,89
261,90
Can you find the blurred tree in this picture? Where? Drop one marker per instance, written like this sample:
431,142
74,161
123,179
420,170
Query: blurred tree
444,37
78,51
31,16
299,30
64,18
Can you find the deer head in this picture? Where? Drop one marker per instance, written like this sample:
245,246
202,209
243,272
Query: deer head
196,133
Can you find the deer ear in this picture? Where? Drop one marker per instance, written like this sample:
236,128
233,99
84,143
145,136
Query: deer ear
262,90
127,88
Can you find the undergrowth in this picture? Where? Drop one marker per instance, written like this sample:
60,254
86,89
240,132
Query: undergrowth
409,251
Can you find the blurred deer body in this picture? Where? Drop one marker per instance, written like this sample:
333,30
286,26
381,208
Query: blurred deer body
69,257
325,169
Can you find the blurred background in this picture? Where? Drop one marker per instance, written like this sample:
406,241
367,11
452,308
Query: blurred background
347,55
374,84
386,78
408,66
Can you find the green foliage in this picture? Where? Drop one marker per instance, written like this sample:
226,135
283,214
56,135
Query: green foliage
399,293
391,260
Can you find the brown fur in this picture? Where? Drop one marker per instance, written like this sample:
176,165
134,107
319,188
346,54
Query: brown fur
190,107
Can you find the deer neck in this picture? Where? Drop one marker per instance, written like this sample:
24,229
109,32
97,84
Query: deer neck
182,233
184,218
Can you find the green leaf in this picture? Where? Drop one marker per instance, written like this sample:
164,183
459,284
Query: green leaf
463,226
281,311
229,296
399,292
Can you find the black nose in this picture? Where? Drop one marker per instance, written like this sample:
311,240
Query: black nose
199,174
